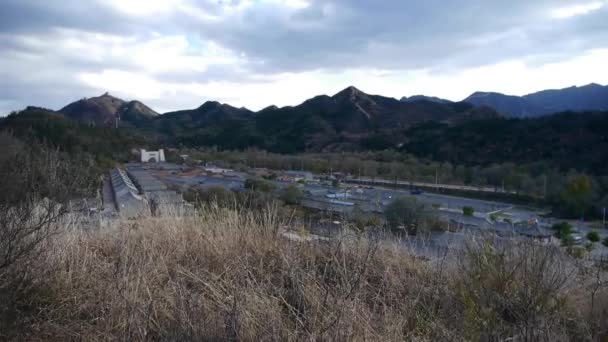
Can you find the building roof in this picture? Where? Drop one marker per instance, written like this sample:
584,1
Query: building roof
128,200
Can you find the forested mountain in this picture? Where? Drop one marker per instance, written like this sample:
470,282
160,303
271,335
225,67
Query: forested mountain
589,97
567,141
103,143
350,120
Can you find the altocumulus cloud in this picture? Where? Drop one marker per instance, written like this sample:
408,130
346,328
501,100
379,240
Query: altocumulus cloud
178,53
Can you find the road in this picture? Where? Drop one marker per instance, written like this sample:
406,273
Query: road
384,182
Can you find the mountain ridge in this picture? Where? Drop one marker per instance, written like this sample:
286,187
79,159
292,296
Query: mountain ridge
545,102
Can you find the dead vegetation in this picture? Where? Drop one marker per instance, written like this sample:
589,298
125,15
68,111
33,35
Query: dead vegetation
229,275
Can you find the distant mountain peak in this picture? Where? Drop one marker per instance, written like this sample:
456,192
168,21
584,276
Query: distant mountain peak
271,107
105,109
415,98
350,92
210,105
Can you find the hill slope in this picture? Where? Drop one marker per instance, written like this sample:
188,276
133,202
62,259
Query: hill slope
43,125
104,110
567,140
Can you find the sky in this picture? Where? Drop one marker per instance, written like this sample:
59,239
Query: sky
177,54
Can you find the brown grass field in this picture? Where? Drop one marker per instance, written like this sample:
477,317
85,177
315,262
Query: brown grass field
231,275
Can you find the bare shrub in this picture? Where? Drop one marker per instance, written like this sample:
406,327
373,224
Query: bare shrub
36,184
515,291
227,274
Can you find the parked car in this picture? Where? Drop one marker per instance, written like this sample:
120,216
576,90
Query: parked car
577,239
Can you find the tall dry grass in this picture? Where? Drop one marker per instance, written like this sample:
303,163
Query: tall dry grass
230,275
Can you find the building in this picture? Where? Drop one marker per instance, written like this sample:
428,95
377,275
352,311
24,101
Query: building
161,200
129,202
152,156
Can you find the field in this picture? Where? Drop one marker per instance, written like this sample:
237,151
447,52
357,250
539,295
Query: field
231,275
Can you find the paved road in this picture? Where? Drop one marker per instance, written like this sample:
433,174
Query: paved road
385,182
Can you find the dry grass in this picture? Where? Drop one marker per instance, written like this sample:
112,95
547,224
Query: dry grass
227,275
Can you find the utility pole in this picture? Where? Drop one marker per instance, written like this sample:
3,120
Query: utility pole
544,186
436,179
604,218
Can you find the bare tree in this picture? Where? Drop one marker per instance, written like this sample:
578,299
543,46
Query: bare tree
36,185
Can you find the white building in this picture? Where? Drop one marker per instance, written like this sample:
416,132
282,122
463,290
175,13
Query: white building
152,156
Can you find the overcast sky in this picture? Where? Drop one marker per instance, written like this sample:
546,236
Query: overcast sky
177,54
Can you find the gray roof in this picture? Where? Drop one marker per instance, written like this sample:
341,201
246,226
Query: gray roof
145,180
128,199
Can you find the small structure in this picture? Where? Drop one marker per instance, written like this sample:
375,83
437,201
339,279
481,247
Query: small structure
152,156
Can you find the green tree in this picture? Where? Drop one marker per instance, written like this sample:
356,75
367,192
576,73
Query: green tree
291,195
259,185
563,231
605,242
468,211
593,236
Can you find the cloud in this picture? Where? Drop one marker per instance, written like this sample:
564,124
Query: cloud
576,9
178,53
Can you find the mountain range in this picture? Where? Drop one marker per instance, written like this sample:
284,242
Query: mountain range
348,120
589,97
351,120
350,110
322,122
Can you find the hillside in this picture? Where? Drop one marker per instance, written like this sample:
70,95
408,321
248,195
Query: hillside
346,119
568,140
44,125
589,97
350,120
105,110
